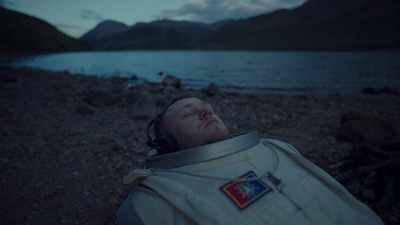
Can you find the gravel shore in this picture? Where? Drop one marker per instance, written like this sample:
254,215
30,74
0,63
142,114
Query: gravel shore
68,140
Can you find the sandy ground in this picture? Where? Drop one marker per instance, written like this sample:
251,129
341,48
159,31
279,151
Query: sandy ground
62,160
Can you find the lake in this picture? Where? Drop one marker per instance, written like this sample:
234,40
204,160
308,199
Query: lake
284,72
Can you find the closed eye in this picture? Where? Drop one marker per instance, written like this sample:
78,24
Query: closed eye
188,114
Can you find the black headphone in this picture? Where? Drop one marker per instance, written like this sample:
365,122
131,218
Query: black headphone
164,144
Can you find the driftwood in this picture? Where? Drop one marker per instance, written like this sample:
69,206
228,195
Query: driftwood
358,171
372,174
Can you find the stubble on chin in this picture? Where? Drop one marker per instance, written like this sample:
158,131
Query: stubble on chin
220,133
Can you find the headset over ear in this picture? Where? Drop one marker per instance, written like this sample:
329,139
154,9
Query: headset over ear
164,144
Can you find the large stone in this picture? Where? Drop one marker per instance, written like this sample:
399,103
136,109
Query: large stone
84,109
376,91
11,78
213,90
173,81
357,126
101,98
144,107
131,98
6,75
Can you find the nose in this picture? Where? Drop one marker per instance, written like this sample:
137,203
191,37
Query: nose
205,113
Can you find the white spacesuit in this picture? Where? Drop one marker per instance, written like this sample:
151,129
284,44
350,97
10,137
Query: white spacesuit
241,180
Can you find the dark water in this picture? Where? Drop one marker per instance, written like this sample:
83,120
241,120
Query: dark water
267,71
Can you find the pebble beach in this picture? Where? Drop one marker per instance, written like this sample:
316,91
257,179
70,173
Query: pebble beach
67,140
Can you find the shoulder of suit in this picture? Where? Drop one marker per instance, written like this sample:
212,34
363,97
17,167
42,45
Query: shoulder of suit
280,145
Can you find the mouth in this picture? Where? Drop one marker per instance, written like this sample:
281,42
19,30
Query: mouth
211,122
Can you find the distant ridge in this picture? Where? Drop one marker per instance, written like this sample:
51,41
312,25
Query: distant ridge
159,34
25,34
102,30
315,25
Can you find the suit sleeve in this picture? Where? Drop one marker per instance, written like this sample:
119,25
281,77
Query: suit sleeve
145,207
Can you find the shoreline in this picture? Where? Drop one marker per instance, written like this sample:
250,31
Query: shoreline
70,139
345,81
373,91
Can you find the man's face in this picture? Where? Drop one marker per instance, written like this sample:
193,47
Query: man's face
193,123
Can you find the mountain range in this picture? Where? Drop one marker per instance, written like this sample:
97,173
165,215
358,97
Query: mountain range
160,34
315,25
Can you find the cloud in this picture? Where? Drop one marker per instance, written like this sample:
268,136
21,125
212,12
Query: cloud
90,15
6,3
209,11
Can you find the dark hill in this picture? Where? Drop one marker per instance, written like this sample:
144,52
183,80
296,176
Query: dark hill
145,36
103,30
160,34
316,25
25,34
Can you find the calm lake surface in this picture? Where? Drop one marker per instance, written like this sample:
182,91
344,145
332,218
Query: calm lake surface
241,71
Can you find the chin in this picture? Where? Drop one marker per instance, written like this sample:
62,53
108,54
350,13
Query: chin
219,136
216,135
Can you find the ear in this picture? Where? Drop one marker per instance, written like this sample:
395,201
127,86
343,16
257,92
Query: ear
167,144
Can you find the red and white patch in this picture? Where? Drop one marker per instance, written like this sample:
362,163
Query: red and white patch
244,193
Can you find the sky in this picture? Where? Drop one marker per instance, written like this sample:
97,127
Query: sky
76,17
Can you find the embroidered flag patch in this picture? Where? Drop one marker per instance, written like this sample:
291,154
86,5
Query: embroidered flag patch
244,193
